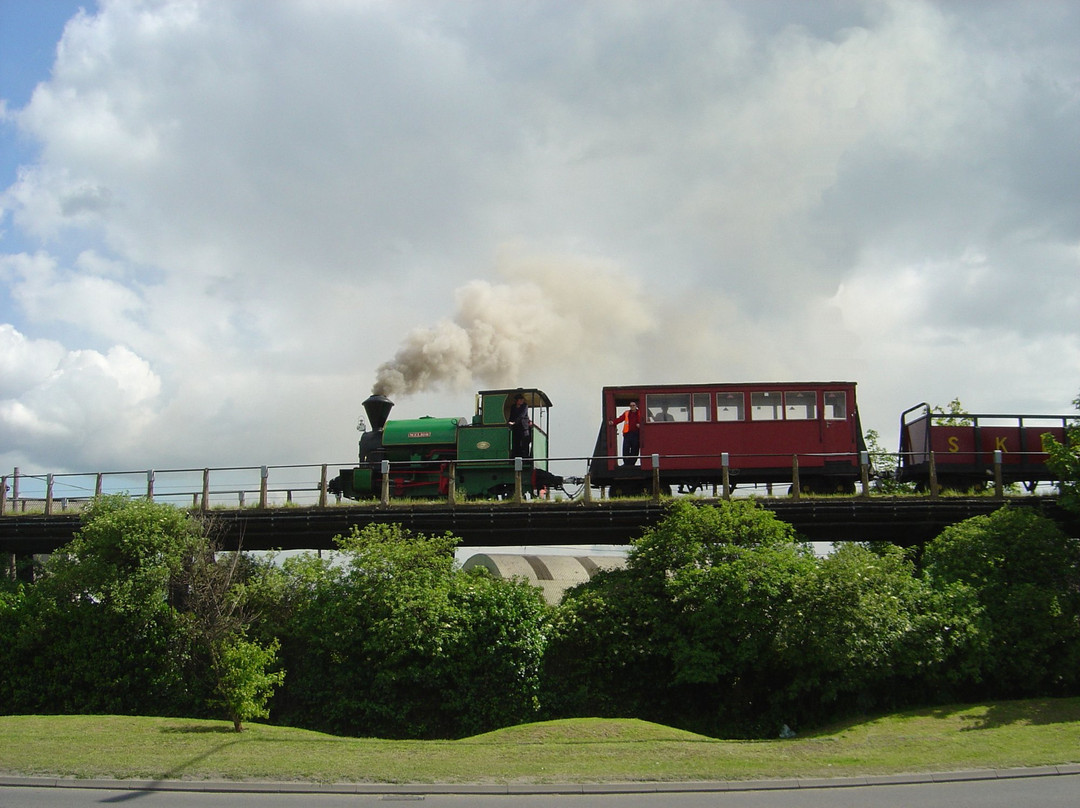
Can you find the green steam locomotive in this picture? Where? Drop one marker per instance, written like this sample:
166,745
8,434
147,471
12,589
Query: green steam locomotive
422,457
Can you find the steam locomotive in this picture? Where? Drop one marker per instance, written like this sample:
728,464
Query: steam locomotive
423,457
693,437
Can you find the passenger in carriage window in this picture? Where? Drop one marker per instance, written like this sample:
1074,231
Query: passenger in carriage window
663,415
667,407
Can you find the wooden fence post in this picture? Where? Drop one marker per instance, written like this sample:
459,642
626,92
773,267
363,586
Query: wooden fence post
264,475
725,470
796,488
322,488
999,485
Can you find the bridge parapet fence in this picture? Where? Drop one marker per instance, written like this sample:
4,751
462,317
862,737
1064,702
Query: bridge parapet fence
307,484
198,489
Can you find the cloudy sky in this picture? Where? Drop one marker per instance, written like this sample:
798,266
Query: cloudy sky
220,218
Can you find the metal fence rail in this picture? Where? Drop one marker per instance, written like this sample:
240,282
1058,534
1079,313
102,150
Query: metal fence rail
202,489
307,484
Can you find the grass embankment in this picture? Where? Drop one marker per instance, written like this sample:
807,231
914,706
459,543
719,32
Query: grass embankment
999,735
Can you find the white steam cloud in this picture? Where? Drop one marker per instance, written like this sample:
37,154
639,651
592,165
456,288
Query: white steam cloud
552,312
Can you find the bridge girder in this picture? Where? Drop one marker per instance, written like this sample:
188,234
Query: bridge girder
901,520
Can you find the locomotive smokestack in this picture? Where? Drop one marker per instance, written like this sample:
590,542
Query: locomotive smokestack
378,410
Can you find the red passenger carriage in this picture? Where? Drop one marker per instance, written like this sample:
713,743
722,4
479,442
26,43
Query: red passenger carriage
758,429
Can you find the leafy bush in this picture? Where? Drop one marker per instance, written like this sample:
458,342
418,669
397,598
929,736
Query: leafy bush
724,623
99,631
867,633
688,633
134,616
1024,572
399,643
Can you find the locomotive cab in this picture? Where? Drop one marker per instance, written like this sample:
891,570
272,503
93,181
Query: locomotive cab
485,446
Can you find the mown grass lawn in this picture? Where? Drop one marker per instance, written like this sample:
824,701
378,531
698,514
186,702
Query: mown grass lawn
997,735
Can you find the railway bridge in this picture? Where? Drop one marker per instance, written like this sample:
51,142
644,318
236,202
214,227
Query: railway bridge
905,520
289,508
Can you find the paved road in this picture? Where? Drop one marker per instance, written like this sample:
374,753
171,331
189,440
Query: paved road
986,791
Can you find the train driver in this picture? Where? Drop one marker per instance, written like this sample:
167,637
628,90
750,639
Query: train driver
520,437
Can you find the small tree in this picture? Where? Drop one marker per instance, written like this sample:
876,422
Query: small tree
217,601
955,415
243,681
884,464
1064,461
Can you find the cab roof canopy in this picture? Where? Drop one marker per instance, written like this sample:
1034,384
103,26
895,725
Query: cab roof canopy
533,397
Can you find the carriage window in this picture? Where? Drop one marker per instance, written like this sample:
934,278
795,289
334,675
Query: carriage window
835,405
800,406
729,407
766,407
667,406
701,407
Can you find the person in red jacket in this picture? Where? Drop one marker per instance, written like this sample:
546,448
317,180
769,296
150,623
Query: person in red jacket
631,442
